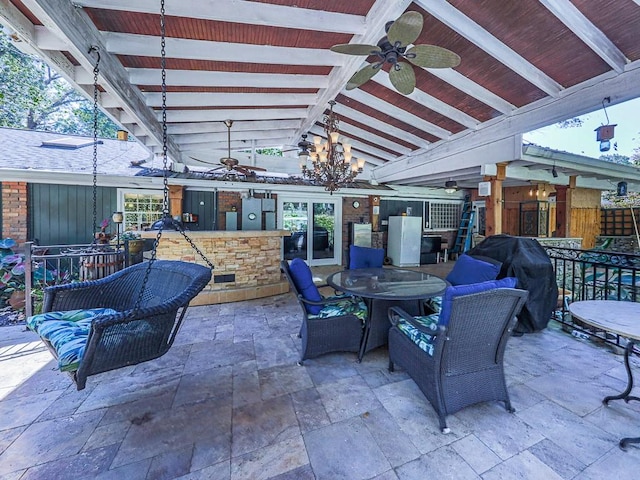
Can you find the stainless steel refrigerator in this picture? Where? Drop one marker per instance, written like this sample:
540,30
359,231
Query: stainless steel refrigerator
403,241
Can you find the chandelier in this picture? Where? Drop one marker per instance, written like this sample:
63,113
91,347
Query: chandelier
332,163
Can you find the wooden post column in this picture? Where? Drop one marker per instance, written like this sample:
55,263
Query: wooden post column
562,216
494,202
176,193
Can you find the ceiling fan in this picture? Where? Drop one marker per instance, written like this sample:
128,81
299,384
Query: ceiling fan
392,49
231,166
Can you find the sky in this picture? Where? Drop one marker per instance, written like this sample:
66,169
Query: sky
582,140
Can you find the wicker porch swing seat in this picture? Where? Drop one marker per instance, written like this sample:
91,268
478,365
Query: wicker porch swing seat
96,326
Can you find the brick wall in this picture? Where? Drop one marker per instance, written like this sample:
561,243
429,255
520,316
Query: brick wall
353,215
226,200
14,211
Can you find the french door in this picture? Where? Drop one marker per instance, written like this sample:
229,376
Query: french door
316,229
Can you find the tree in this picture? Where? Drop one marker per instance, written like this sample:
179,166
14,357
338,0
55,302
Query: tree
616,158
37,98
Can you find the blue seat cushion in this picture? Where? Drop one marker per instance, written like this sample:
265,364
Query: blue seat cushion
344,307
468,269
303,278
365,257
421,338
456,291
67,332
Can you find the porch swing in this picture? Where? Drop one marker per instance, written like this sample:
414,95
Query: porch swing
130,316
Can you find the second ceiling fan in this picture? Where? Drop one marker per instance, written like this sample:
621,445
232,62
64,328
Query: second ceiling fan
393,49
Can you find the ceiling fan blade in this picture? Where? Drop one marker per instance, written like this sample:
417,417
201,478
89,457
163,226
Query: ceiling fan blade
249,167
431,56
356,49
403,78
363,76
406,29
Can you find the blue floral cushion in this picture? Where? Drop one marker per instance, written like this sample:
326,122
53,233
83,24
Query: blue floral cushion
67,332
345,307
422,339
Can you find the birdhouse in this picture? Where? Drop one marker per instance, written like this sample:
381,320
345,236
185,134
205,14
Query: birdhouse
604,132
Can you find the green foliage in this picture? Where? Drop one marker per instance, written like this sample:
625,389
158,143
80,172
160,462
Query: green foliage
11,269
570,123
270,151
616,158
36,97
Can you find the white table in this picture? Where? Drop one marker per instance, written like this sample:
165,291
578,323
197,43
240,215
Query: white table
618,317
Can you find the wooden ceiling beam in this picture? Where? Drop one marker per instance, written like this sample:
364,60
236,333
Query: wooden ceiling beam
397,112
581,26
575,101
252,13
149,46
238,126
183,139
220,115
203,99
430,102
466,27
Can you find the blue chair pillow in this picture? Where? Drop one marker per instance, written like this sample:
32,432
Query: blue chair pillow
468,269
365,257
456,291
303,278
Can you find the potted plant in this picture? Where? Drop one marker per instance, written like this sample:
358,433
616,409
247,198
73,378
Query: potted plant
12,284
136,243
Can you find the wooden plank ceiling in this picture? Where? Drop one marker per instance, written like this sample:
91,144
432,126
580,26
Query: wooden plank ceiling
266,64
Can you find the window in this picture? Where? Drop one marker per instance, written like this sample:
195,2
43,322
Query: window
141,210
445,216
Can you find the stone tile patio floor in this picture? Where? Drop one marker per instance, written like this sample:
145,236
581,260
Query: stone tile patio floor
229,402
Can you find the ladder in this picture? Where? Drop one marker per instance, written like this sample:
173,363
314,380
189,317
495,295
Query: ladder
463,237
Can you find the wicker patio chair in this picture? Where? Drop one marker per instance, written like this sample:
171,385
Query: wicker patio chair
99,322
330,324
456,357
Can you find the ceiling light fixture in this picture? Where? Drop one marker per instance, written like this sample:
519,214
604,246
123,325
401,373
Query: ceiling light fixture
450,186
332,163
554,172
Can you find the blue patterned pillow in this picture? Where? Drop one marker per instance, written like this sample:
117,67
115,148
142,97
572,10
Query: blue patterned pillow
302,277
67,332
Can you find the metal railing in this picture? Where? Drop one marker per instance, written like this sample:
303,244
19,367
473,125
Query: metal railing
47,265
593,275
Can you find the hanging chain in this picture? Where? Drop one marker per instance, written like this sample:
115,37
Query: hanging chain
165,169
96,71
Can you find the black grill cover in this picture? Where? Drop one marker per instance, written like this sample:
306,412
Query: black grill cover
525,259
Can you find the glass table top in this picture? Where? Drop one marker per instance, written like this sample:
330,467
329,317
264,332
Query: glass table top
387,283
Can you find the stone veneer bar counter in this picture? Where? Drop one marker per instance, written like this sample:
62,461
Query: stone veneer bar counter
247,263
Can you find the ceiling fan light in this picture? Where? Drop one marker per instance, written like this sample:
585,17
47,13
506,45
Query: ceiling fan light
303,156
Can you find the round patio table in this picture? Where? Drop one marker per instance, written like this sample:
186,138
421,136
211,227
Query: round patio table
616,317
382,288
